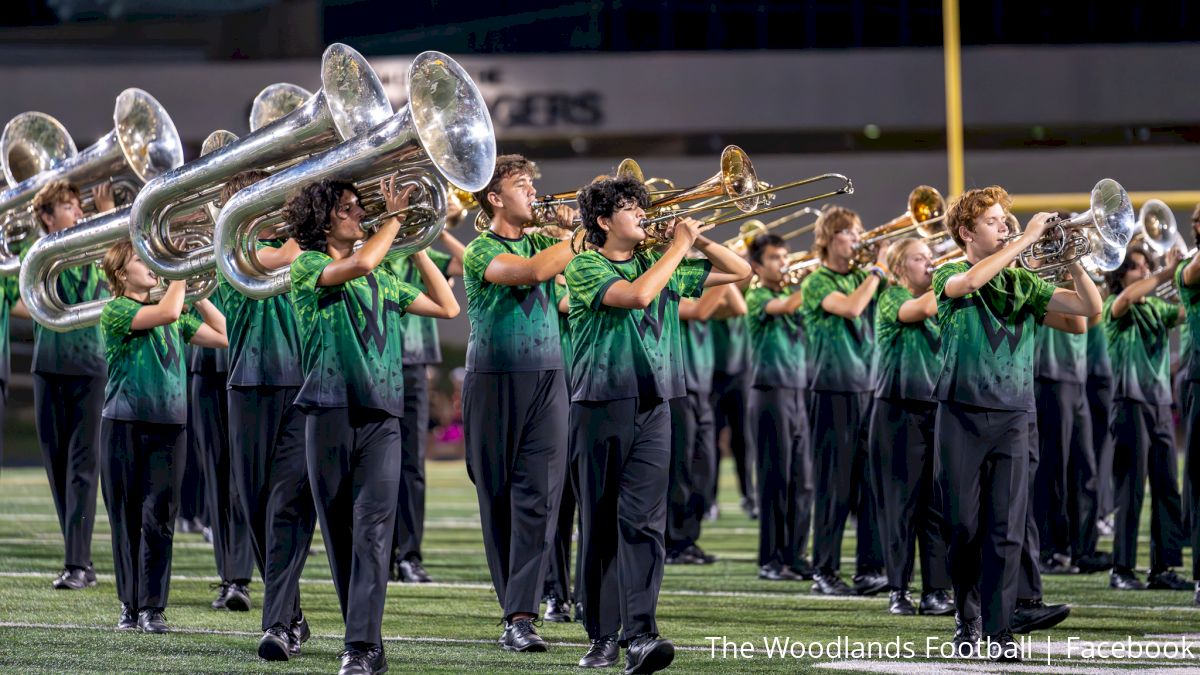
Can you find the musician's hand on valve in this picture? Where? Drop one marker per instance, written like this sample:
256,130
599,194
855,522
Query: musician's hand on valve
394,199
565,216
1173,258
102,197
685,231
1038,225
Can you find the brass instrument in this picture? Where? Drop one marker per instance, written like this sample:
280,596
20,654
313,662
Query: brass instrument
142,145
925,216
443,137
754,227
799,266
350,102
1109,226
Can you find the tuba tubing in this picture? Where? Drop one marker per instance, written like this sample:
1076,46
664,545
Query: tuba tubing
444,135
351,100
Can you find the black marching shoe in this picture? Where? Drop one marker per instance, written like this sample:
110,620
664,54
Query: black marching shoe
680,558
1167,580
237,598
750,508
1196,600
804,569
298,634
602,653
72,579
222,590
1125,580
152,621
89,573
900,603
870,582
701,557
936,603
777,572
522,636
1031,615
128,620
1057,563
413,572
830,584
358,662
274,644
648,653
557,610
1002,648
966,636
1096,561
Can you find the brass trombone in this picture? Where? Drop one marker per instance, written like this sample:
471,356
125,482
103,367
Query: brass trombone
754,227
926,216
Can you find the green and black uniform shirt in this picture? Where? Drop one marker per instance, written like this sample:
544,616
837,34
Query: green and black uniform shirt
264,342
206,360
776,342
698,357
564,328
1099,366
1140,349
628,353
513,328
146,377
987,338
351,337
421,345
1060,356
731,348
1189,340
10,293
75,352
907,355
838,349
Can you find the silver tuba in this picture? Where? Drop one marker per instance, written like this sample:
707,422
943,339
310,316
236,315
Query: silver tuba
142,145
351,100
444,135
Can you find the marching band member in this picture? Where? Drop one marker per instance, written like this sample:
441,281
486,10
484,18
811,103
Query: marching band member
145,410
628,363
907,362
347,307
986,311
514,396
1187,280
421,350
777,417
266,434
730,389
1099,404
558,593
838,313
693,442
1137,325
69,374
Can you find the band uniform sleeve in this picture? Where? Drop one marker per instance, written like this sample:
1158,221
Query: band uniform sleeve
589,277
306,269
815,287
401,293
116,320
756,304
888,309
1032,290
691,275
479,255
189,325
1169,311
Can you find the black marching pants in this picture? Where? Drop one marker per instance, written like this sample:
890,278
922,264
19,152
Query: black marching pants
1100,403
778,423
414,431
141,468
1029,580
839,422
516,438
67,408
910,510
208,428
558,567
267,444
984,458
1065,496
354,464
1144,445
693,468
730,393
624,465
1191,421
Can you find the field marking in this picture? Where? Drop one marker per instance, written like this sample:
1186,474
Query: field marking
955,667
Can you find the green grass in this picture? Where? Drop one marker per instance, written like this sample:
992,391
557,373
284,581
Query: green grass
451,626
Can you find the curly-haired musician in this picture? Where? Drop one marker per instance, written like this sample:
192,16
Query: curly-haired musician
1137,324
514,396
839,319
777,414
69,375
145,412
987,311
907,361
628,363
349,311
266,436
1187,280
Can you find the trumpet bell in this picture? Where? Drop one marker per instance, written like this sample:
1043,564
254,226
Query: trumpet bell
1156,220
33,142
275,101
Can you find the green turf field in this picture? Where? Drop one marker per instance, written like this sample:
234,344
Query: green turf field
452,625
